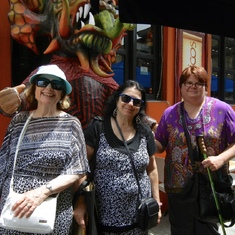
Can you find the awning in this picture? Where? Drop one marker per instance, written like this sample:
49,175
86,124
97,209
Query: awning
208,16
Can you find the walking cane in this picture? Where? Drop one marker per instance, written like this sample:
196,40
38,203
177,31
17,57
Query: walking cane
202,147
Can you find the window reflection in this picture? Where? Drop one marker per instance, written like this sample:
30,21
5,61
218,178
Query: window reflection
144,74
144,38
118,69
139,58
144,62
229,69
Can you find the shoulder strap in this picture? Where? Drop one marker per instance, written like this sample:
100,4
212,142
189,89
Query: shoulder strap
93,159
79,191
18,145
131,158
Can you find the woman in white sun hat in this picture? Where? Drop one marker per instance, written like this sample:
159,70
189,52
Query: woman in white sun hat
52,72
52,154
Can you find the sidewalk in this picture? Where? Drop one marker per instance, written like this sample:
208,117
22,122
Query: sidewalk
161,229
164,228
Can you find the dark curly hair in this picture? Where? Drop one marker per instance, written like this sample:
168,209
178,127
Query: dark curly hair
111,103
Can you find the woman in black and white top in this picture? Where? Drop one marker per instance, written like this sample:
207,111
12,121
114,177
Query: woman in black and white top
116,185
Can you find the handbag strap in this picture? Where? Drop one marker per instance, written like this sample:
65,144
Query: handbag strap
100,119
18,145
189,144
130,156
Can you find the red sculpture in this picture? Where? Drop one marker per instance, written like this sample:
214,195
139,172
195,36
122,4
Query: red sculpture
83,43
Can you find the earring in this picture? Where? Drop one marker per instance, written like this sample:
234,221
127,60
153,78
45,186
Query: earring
115,112
137,119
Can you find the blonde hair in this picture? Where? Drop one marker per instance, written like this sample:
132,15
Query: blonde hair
63,104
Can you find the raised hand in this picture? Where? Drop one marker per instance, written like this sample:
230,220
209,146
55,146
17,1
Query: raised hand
10,99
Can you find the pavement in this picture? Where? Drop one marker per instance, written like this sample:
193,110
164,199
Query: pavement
164,228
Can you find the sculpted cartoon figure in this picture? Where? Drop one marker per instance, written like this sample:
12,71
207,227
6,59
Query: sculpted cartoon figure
83,40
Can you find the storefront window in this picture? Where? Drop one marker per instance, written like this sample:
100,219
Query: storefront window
223,70
138,58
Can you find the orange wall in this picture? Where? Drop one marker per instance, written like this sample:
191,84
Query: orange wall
5,59
156,108
168,68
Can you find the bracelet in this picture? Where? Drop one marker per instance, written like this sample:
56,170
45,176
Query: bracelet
49,187
10,115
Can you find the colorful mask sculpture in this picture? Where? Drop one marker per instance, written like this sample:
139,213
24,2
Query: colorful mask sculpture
83,39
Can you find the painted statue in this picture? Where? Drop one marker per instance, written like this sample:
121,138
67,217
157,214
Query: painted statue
83,39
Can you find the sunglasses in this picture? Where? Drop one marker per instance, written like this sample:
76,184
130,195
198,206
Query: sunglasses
127,99
55,84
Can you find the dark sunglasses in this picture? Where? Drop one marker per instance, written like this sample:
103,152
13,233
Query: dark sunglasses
55,84
127,99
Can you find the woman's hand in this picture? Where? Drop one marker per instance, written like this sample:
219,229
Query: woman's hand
216,162
159,213
28,202
213,162
10,100
33,198
153,176
79,212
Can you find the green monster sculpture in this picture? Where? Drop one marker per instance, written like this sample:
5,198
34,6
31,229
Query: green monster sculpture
82,41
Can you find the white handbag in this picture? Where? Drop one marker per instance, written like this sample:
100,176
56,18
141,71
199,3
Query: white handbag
41,220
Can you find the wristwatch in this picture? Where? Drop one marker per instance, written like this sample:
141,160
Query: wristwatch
49,187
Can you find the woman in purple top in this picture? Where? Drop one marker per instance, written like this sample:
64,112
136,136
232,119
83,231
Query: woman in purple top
207,116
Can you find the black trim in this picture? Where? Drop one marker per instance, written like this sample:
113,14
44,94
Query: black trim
114,229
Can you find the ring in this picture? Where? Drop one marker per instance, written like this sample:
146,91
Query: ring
28,205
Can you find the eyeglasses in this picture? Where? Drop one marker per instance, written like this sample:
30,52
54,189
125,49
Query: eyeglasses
127,99
55,84
196,84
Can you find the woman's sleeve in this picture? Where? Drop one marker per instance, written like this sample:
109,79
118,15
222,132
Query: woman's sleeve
161,133
230,125
152,148
4,154
77,163
92,132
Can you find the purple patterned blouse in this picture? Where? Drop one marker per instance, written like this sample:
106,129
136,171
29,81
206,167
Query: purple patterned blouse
216,122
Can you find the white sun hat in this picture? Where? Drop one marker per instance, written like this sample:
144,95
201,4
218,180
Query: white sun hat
52,71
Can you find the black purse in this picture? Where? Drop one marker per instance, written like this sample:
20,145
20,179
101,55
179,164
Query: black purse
148,208
225,196
147,213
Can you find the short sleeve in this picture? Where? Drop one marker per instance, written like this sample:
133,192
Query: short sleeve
93,131
78,162
151,145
